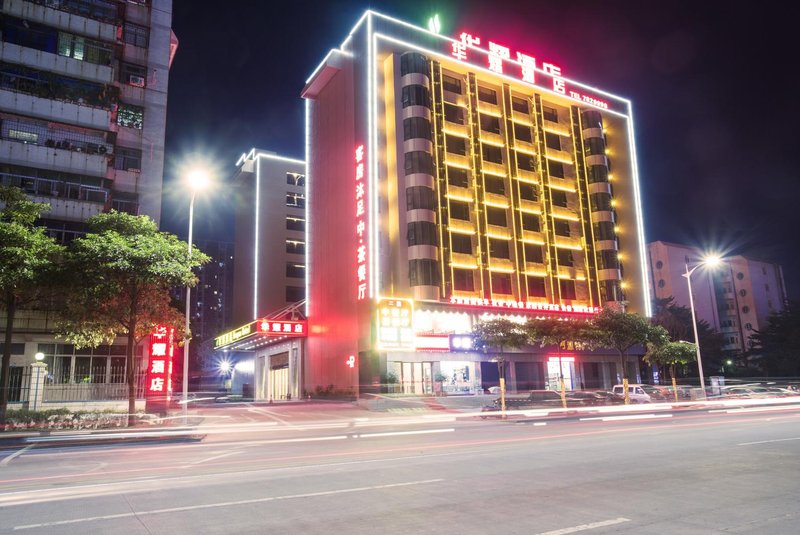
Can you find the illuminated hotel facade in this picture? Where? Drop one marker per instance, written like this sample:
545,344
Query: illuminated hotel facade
451,180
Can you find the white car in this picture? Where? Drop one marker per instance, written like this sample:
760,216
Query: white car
635,392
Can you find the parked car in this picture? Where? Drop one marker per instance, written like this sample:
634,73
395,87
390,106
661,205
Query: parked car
636,393
587,398
534,400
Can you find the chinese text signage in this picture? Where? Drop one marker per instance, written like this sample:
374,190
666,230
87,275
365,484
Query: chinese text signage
499,59
395,324
159,369
361,225
523,305
281,327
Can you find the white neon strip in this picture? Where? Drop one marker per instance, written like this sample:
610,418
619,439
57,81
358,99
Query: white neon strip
627,417
256,234
372,102
539,88
308,204
403,433
280,158
639,217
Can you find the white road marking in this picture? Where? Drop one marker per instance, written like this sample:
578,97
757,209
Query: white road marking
626,417
226,504
768,441
201,461
584,527
14,455
538,424
401,433
758,409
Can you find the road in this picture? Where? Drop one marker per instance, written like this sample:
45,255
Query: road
301,470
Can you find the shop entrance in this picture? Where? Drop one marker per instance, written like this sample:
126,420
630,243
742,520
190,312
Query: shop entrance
567,369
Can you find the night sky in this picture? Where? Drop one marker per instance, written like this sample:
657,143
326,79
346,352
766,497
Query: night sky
713,84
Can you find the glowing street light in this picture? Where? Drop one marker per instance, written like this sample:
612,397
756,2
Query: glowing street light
709,261
197,180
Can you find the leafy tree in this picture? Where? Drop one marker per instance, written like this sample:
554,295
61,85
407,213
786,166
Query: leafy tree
123,270
26,258
552,331
498,334
778,344
671,354
621,331
677,320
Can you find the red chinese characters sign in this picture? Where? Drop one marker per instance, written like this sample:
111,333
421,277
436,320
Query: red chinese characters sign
361,224
523,66
281,327
159,369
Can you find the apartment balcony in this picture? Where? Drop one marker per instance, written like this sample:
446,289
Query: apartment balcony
461,225
564,184
559,155
489,108
102,26
531,207
525,146
562,212
455,128
536,268
46,61
524,175
498,169
132,94
566,242
55,110
556,128
608,274
493,199
459,193
492,138
571,272
464,261
503,265
532,236
459,160
498,232
70,161
124,180
68,201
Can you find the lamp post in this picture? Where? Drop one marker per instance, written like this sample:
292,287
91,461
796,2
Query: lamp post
708,261
37,365
197,181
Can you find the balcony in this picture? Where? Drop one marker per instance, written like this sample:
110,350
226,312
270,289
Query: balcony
536,268
46,61
531,207
31,155
459,160
556,128
503,265
492,138
525,146
498,169
489,108
97,20
564,184
569,243
494,199
57,110
559,155
459,193
67,200
562,212
455,128
532,236
466,227
531,177
498,232
463,261
570,272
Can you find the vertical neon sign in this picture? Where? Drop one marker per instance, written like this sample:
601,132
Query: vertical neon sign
159,371
361,249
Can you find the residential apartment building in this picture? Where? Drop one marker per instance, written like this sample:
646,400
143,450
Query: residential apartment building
83,96
735,298
451,180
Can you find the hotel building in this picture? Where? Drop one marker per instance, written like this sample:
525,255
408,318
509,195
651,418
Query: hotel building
735,299
451,180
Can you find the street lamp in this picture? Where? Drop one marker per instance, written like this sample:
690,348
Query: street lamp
197,180
709,261
39,364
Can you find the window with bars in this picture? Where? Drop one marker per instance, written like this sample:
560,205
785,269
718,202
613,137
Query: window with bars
135,35
127,159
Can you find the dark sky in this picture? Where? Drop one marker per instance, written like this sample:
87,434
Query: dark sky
713,84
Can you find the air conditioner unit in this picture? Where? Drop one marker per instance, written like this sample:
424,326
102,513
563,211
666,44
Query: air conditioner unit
138,81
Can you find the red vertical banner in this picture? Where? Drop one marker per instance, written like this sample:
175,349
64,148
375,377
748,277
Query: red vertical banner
158,387
361,224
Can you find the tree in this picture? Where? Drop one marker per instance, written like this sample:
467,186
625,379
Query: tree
123,270
778,344
27,255
677,320
671,354
621,331
498,334
552,331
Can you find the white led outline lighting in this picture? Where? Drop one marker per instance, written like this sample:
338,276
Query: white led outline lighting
639,217
372,102
256,236
308,204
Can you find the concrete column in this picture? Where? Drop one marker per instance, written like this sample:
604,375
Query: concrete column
36,385
511,374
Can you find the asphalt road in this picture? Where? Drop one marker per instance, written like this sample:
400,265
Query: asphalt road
297,470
